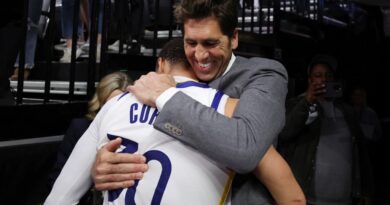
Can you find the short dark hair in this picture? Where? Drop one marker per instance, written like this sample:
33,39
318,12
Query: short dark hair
173,52
323,59
224,10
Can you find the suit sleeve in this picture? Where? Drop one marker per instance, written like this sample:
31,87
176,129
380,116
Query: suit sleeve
240,142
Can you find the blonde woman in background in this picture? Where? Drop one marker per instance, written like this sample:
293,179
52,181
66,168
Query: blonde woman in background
109,86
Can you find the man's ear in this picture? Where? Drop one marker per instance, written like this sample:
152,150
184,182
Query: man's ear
160,65
234,39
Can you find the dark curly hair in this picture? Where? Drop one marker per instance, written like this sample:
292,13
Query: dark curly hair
173,52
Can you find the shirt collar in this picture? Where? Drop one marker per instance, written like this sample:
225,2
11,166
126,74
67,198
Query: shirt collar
232,59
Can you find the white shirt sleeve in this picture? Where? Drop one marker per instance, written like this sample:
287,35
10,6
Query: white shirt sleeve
222,104
74,180
165,96
313,114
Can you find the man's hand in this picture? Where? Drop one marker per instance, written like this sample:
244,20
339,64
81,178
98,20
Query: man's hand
148,87
314,91
116,170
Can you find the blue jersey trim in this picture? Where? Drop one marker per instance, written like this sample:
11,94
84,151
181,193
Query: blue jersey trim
217,99
125,93
192,83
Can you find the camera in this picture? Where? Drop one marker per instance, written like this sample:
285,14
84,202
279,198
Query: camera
333,90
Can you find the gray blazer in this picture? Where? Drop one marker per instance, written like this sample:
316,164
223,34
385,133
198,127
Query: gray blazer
240,142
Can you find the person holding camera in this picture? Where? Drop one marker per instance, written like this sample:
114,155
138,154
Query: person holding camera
321,141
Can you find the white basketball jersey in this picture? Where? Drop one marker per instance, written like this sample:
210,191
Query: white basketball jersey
177,173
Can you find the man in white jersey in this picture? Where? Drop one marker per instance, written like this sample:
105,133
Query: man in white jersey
177,173
173,167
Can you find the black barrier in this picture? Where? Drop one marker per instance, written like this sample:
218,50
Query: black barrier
24,168
156,24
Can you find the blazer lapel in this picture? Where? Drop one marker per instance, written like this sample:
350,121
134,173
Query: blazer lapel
223,82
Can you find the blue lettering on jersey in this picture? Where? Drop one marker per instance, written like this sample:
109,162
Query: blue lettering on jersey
153,117
143,116
133,117
144,113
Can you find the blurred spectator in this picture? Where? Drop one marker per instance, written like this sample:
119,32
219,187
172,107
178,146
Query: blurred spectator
34,13
321,141
372,130
67,27
368,118
11,30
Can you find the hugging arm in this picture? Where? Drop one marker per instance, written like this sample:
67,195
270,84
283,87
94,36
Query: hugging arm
274,172
240,142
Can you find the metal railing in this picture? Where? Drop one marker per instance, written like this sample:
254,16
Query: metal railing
260,17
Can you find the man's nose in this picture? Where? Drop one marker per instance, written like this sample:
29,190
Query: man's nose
201,53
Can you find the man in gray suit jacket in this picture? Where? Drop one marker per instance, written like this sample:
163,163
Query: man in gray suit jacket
210,35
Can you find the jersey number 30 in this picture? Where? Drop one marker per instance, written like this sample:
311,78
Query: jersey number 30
132,147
